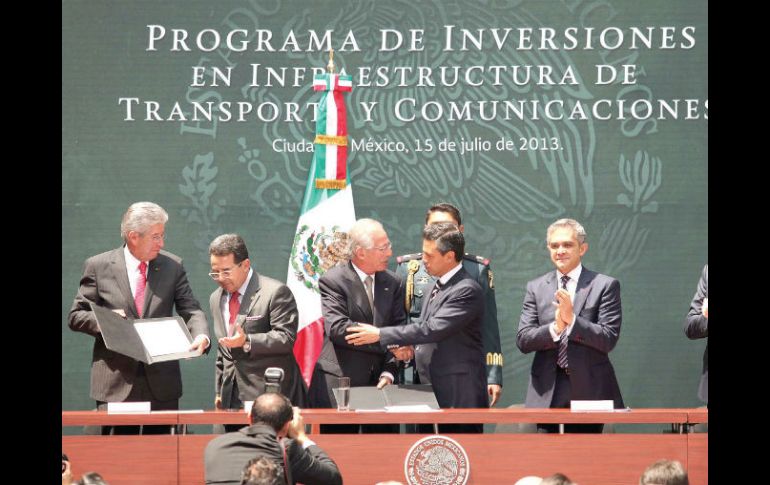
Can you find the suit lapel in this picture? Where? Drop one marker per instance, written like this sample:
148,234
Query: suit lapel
427,307
251,296
216,311
383,296
118,268
358,293
551,284
154,269
583,288
442,294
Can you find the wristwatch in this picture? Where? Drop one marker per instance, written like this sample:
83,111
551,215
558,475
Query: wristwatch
247,344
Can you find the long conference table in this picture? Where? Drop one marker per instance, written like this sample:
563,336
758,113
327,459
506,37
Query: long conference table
495,458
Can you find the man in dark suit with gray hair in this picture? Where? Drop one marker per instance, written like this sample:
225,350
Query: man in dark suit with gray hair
451,318
358,290
571,320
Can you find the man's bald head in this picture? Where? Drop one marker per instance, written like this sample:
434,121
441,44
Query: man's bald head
272,409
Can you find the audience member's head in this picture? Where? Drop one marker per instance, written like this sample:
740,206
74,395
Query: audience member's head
664,472
92,478
66,470
274,410
529,480
261,471
557,479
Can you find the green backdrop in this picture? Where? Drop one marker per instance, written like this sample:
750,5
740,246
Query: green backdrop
638,182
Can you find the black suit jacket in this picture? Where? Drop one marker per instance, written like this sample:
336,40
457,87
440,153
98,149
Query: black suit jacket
697,326
594,335
268,315
453,321
343,303
227,454
105,283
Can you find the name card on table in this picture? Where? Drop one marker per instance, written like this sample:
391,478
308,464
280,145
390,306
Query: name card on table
128,407
604,405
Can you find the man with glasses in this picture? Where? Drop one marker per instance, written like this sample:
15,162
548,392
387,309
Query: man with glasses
137,280
255,321
360,290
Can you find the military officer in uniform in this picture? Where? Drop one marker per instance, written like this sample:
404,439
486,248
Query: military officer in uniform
412,270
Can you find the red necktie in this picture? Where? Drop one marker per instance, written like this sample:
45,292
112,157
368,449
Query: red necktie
235,306
141,283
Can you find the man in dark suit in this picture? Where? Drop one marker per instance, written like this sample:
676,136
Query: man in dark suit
277,432
361,290
696,326
571,318
255,321
451,318
137,280
418,280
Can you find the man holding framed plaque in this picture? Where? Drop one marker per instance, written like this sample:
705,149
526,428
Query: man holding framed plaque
137,281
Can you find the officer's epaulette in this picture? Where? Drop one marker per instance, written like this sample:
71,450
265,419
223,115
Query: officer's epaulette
408,257
478,259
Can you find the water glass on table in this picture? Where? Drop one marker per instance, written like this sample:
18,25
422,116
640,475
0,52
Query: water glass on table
342,394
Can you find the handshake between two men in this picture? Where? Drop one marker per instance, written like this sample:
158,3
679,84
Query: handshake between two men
364,334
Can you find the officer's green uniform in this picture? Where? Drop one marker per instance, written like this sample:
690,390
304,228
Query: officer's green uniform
411,269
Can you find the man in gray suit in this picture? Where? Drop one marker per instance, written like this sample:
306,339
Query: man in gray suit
696,326
360,290
255,321
137,280
571,318
452,319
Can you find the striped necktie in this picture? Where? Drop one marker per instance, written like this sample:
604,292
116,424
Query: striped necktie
436,288
562,361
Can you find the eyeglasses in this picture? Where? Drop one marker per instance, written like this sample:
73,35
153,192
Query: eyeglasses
384,248
225,273
155,237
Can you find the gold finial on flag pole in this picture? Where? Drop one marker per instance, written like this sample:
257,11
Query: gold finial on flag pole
330,65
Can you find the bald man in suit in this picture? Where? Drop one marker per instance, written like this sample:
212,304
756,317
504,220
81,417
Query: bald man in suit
137,280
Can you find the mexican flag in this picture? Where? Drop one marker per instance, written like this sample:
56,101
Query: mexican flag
326,215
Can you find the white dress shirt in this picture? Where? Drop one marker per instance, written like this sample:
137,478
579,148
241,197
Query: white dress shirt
363,276
571,289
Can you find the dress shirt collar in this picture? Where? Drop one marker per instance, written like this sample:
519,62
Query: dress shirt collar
360,272
245,284
448,275
574,275
132,264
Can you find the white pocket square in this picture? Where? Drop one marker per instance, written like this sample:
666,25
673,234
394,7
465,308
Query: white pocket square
255,317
